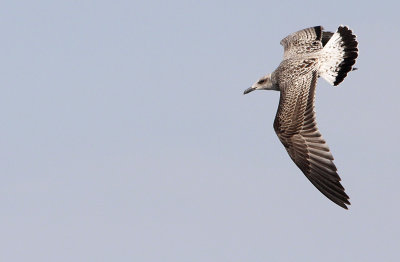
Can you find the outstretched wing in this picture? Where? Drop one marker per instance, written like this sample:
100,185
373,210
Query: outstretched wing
305,41
296,128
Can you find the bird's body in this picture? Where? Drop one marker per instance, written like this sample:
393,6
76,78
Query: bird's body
309,54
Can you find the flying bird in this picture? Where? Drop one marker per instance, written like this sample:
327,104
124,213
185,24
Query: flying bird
309,54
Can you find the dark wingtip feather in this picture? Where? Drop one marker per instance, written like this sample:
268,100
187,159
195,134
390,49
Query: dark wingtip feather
325,37
318,32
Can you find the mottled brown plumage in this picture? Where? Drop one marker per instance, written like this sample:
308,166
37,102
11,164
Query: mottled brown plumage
296,128
308,54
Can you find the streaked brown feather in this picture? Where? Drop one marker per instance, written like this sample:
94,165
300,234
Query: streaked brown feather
296,128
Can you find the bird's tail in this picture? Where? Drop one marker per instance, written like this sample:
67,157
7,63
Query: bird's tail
339,56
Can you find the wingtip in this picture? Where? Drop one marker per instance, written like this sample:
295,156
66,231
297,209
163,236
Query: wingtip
345,204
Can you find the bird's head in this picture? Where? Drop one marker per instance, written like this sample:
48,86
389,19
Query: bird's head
264,83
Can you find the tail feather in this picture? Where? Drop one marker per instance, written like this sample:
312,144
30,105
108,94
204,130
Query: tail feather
339,56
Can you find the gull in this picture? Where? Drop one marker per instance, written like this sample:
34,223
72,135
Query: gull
309,54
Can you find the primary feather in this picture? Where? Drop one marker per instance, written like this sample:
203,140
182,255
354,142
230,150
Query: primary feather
309,54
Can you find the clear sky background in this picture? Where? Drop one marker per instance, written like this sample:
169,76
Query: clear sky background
125,135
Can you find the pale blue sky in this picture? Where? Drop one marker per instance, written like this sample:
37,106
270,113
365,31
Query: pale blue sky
125,135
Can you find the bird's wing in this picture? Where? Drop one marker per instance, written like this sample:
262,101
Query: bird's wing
305,41
296,128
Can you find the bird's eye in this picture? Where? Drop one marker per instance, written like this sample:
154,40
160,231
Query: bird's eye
262,81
